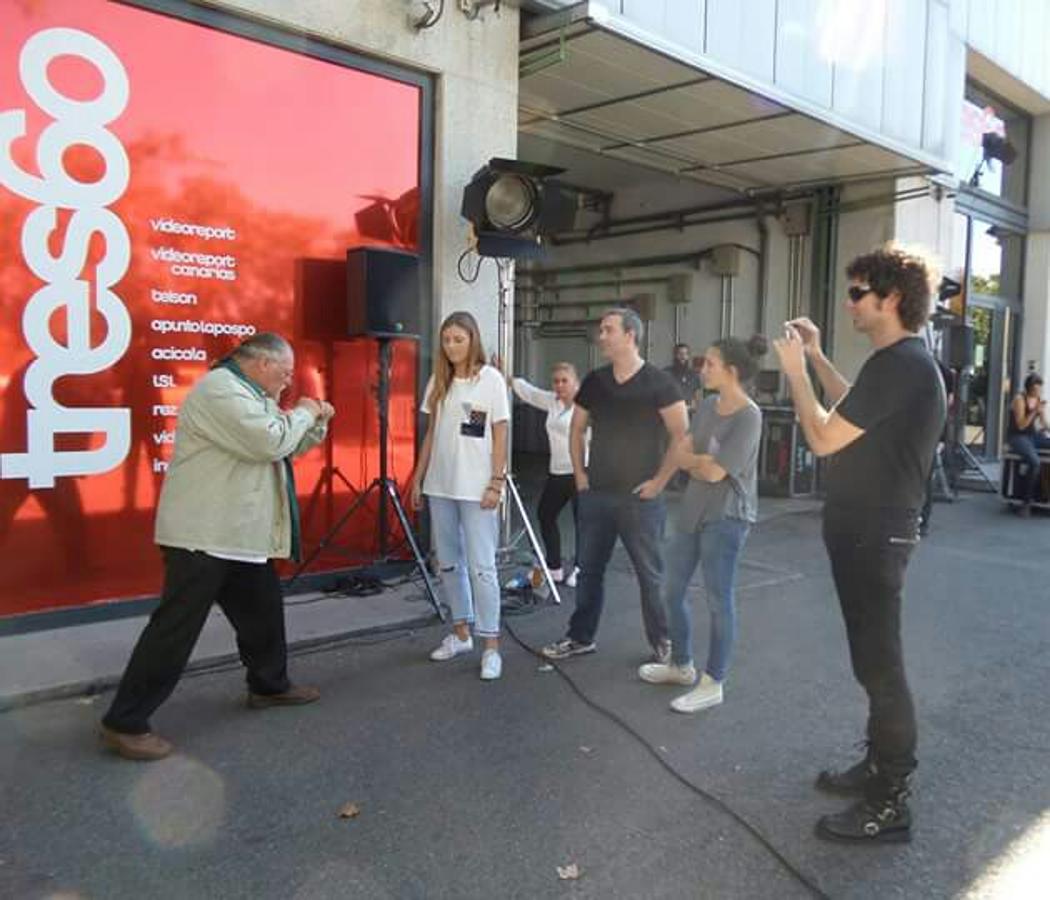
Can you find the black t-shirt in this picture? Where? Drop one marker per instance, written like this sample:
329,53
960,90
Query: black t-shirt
898,399
628,436
687,380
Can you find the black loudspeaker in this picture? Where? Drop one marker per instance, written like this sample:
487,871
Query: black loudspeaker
958,346
382,292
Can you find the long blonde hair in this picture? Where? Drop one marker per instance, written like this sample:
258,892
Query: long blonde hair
443,371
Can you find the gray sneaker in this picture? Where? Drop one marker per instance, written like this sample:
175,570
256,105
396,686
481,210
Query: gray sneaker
567,647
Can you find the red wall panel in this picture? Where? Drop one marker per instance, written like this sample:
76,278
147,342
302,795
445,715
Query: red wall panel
158,181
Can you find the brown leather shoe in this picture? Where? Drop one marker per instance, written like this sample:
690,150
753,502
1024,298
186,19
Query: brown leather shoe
146,746
294,696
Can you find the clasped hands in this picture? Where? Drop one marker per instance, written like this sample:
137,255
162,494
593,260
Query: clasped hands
319,409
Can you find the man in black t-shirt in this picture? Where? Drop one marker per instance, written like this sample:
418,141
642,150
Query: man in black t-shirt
880,435
635,413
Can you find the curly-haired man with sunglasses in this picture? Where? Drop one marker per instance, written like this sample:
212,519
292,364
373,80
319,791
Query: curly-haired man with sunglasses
880,434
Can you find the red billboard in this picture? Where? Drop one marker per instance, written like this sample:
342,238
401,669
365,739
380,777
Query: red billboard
160,183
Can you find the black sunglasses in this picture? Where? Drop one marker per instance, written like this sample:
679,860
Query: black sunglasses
856,293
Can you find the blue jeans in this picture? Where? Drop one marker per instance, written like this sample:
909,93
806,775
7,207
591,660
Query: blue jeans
465,539
1027,446
716,547
602,517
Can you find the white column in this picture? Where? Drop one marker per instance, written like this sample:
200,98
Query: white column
1035,336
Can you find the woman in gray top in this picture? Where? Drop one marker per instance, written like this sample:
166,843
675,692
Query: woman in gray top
721,456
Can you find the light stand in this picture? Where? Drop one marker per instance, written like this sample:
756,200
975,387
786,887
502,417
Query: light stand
505,342
386,490
960,457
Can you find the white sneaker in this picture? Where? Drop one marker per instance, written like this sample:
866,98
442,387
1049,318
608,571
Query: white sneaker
668,673
706,694
491,665
570,581
451,647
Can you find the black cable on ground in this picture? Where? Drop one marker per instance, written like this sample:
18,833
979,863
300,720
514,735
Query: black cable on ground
719,804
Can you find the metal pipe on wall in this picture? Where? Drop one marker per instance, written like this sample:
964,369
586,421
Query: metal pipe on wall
763,272
670,226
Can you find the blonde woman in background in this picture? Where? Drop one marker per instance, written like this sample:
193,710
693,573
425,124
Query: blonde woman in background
560,486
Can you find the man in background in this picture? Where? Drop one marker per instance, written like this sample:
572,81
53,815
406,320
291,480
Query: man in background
685,376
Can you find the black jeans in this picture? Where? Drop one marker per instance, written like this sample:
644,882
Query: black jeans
604,516
250,597
557,491
869,552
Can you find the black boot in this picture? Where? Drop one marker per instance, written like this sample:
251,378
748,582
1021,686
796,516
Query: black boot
882,817
851,781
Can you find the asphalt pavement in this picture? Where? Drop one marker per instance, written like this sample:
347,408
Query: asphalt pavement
465,789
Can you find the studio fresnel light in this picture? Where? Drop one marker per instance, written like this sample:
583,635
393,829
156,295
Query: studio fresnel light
513,205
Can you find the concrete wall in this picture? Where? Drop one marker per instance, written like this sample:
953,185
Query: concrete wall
475,64
698,319
859,231
1013,37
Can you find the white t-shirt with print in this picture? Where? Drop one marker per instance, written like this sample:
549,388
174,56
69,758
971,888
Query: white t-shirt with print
460,465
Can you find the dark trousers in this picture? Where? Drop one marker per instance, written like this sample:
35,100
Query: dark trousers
869,554
1027,446
250,597
604,516
558,490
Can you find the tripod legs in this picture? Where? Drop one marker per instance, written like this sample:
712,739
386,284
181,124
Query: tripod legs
534,543
958,451
421,565
387,490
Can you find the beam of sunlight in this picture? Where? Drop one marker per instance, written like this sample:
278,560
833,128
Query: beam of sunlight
1021,871
179,802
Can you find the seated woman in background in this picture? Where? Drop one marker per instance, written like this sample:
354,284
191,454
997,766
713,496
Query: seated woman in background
1026,436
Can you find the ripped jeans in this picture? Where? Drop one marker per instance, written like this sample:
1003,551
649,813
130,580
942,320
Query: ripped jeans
465,539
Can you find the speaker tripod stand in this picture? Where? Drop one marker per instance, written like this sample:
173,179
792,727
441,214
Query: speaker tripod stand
958,456
385,489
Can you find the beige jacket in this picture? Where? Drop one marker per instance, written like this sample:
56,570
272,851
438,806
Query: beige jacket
224,491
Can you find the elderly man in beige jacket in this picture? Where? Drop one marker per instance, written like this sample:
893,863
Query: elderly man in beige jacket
226,511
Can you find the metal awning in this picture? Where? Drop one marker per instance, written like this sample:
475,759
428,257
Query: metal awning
594,81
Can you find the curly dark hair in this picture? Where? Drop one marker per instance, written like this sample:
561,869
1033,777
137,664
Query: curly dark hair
742,355
892,268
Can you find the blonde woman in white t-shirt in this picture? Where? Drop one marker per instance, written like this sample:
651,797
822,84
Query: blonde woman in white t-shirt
560,486
462,471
